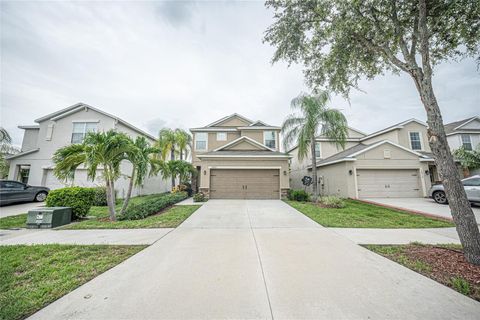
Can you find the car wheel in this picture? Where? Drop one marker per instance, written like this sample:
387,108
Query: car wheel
41,196
440,197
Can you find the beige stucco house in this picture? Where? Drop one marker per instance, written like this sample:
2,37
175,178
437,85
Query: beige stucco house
237,158
393,162
33,165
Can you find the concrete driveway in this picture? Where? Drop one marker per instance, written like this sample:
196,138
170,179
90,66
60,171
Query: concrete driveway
16,209
258,260
425,205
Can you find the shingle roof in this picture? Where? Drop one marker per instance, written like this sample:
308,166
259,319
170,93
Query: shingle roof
449,127
345,153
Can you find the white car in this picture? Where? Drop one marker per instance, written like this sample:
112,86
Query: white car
472,189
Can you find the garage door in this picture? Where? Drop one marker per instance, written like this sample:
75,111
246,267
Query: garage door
388,183
244,184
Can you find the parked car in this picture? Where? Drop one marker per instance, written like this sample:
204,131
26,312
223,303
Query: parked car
14,191
471,185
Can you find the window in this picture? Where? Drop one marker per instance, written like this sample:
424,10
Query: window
12,185
466,142
318,153
415,141
269,139
221,136
80,130
201,141
475,182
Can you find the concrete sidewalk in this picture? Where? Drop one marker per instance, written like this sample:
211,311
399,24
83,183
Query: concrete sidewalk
84,237
258,260
399,236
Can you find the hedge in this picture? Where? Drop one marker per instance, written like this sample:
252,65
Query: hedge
298,195
78,198
100,197
141,210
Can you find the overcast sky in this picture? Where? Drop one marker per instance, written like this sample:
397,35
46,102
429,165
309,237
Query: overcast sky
181,64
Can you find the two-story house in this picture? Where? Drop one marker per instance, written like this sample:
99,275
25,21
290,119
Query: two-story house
33,165
393,162
237,158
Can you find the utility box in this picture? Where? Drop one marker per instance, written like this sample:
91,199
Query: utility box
44,218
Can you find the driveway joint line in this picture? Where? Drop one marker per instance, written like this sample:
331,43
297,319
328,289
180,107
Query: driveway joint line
260,262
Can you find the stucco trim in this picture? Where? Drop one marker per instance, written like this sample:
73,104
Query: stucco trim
18,155
243,138
213,129
395,127
333,162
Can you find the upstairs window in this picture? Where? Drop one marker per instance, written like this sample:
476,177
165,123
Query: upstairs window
415,141
269,139
318,153
221,136
80,130
466,142
201,141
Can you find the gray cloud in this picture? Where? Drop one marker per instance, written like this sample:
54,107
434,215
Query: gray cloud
181,65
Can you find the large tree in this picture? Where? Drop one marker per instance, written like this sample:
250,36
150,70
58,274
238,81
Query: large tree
342,41
313,118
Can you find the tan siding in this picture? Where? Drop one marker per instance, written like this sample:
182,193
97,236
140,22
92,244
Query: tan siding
404,137
244,146
233,122
390,136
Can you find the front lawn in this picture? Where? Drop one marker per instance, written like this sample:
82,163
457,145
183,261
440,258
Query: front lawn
31,277
170,218
18,221
442,263
358,214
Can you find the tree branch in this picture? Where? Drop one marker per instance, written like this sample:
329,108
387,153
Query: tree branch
424,37
399,34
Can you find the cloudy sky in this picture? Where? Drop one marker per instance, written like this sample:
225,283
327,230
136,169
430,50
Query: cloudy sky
181,64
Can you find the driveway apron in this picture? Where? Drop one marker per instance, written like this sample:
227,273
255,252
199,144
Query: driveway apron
258,259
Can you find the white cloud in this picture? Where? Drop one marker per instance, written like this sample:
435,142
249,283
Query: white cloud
179,65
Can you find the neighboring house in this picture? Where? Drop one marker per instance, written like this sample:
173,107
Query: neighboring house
393,162
237,158
33,165
464,133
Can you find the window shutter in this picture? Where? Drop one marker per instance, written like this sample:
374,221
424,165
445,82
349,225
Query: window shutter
49,132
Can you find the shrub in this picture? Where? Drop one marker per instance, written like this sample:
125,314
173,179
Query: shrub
78,198
199,197
100,197
333,202
179,188
141,210
298,195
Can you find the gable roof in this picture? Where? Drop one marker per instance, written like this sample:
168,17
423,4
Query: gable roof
244,154
259,123
82,106
453,126
350,153
16,155
213,124
244,139
393,127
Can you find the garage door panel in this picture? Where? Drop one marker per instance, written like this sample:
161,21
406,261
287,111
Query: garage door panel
378,183
244,184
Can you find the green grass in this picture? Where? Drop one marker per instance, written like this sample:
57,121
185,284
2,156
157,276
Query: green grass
18,221
357,214
171,218
31,277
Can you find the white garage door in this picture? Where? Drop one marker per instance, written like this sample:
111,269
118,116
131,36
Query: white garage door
388,183
51,181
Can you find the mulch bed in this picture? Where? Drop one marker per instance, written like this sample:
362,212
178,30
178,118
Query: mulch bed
444,264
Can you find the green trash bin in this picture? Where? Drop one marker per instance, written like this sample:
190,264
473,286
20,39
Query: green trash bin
49,217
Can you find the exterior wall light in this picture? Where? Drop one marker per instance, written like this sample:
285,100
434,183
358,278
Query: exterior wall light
350,172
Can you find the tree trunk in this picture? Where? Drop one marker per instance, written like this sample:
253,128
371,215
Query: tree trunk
129,193
172,157
110,201
460,207
314,170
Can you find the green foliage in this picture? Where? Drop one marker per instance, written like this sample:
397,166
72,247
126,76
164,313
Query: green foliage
34,276
341,42
333,202
468,158
144,209
461,285
177,168
100,196
298,195
78,198
199,197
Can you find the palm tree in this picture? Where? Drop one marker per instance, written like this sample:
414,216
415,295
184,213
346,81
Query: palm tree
183,141
177,168
143,165
167,142
99,151
4,136
6,148
314,118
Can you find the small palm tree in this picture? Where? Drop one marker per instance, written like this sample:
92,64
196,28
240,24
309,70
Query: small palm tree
4,136
177,168
167,142
99,151
143,165
184,142
314,118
